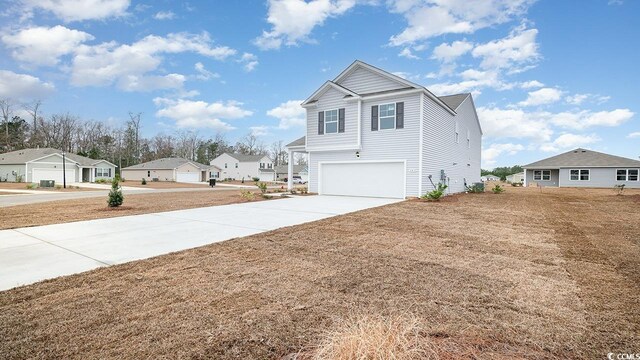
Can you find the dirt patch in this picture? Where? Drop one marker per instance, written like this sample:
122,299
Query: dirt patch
10,193
23,186
55,212
524,274
163,185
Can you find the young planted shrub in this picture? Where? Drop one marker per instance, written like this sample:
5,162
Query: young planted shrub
32,186
115,198
475,188
144,181
497,189
255,179
263,187
619,189
435,194
247,195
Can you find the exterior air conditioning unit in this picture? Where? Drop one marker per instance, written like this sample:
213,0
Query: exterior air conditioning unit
47,183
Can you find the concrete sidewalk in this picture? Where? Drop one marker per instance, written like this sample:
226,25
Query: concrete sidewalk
28,255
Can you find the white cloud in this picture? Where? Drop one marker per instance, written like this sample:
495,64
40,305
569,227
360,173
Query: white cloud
578,99
289,113
567,141
204,74
585,119
516,52
407,53
22,86
250,61
634,135
42,45
153,82
513,123
430,18
261,130
74,10
164,15
541,97
449,52
109,63
531,84
292,21
472,81
200,114
491,153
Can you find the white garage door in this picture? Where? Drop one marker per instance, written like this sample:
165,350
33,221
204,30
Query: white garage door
188,177
375,179
53,174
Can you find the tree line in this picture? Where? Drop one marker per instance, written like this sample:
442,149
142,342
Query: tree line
122,145
502,172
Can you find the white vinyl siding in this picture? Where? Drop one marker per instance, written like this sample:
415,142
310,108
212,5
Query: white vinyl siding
363,81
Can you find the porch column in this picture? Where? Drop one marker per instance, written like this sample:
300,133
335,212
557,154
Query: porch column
290,171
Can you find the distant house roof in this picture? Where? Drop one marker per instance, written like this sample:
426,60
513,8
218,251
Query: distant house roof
246,158
166,164
26,155
284,169
298,142
453,101
266,170
583,158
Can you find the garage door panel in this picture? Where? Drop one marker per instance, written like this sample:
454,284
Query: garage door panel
187,177
53,174
375,179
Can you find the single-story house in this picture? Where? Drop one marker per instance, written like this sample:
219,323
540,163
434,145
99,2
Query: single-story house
583,168
516,178
372,133
240,166
171,169
298,170
33,165
489,178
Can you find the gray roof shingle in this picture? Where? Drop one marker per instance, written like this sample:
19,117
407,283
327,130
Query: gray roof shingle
166,164
22,156
298,142
453,101
246,158
583,158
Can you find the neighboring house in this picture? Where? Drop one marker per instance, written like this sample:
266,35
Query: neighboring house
239,166
282,172
489,178
583,168
33,165
372,133
171,169
516,178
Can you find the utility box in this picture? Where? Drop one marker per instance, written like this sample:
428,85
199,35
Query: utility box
47,183
479,185
212,182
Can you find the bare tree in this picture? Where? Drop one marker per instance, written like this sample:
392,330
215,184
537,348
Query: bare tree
135,121
277,153
33,109
6,107
250,145
300,159
187,146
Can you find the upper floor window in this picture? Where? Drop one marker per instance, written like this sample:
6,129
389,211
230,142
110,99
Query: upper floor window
236,165
387,119
270,165
331,121
627,174
579,175
225,165
261,165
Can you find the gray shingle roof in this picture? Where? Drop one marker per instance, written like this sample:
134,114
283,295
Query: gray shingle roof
298,142
246,158
453,101
22,156
166,164
284,169
584,158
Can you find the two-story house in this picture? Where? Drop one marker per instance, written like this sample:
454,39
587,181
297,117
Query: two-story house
239,166
372,133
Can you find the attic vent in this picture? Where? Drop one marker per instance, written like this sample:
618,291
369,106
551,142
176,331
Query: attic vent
584,150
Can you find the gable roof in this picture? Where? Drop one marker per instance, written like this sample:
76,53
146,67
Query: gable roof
329,84
246,158
453,101
298,142
25,155
166,164
583,158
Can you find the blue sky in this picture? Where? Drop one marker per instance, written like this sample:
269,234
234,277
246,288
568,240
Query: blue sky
547,76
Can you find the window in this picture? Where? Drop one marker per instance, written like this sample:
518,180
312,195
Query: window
387,119
225,165
100,172
579,175
236,165
261,165
627,174
148,173
544,175
331,121
270,165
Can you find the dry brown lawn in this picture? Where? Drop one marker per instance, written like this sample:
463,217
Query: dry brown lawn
524,274
55,212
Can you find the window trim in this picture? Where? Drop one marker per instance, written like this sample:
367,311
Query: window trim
580,174
337,121
395,113
541,175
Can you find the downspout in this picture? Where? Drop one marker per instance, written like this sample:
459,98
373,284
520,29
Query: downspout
420,144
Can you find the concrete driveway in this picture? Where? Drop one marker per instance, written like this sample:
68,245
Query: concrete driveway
28,255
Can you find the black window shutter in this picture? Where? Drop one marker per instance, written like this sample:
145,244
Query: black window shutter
320,122
341,120
374,118
109,172
399,115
